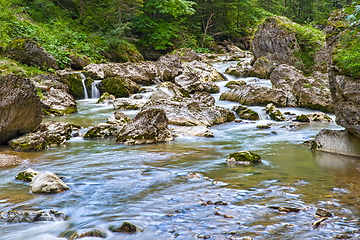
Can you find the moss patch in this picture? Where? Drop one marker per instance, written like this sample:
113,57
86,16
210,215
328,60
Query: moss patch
245,157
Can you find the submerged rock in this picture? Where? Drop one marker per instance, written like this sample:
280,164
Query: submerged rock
148,126
244,158
93,233
49,134
126,227
246,113
30,216
319,117
47,182
255,95
20,108
302,118
274,113
198,131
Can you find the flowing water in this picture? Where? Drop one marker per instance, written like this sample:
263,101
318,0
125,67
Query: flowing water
163,188
83,78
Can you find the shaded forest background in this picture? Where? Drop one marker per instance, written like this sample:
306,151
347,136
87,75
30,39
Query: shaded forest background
106,29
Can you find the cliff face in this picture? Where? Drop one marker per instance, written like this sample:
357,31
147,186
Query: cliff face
345,88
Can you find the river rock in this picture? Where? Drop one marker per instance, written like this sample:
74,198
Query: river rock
199,110
129,103
302,118
244,158
242,69
118,118
47,182
262,68
198,131
168,90
143,73
31,216
78,62
49,134
27,175
190,82
284,77
106,98
211,87
314,94
126,227
109,129
140,72
234,84
246,113
319,117
274,113
168,67
20,107
338,142
255,95
57,102
74,81
187,54
206,71
26,50
148,126
119,87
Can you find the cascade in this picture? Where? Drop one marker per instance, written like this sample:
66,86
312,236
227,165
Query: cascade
95,92
83,78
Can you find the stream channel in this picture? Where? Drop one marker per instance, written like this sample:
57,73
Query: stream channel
161,187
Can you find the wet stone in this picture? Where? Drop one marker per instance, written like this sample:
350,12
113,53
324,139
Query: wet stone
323,213
126,227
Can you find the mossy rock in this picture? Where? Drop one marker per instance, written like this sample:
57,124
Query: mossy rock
302,118
106,97
126,227
94,233
246,113
244,158
231,84
119,87
76,88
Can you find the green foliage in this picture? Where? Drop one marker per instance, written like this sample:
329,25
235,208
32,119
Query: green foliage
348,54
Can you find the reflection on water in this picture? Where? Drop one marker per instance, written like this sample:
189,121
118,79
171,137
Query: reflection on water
165,189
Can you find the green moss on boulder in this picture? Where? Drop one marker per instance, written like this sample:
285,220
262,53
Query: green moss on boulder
244,158
302,118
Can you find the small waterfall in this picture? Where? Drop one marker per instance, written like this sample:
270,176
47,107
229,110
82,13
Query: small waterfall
83,78
263,115
95,92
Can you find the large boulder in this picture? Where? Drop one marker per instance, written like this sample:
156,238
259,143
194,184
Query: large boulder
168,90
199,110
313,93
20,107
26,50
75,83
140,72
49,134
168,67
187,54
57,102
255,95
190,82
344,87
245,113
119,87
284,77
285,42
338,142
262,68
197,131
78,62
148,126
242,69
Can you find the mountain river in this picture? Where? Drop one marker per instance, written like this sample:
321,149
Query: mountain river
163,188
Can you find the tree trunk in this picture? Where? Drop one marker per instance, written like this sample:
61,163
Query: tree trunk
206,28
